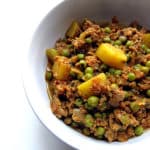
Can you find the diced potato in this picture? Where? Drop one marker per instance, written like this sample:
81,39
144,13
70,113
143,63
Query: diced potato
73,29
61,68
111,55
146,39
51,53
85,88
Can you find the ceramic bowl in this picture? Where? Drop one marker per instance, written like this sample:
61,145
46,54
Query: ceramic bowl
51,28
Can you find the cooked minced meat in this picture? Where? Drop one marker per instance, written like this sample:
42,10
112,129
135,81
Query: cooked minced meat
98,78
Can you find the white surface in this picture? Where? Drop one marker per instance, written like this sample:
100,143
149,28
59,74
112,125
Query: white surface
19,128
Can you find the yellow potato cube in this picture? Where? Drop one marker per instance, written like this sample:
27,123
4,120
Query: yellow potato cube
111,55
61,68
85,89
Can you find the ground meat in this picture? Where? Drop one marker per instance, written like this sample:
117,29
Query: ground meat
113,104
143,58
60,45
78,115
129,31
92,61
102,122
146,122
99,88
130,132
116,97
125,106
87,24
78,43
139,74
122,136
110,135
60,86
144,85
57,108
140,114
115,126
131,120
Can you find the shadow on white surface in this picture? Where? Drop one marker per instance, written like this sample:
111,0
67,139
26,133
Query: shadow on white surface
39,136
46,140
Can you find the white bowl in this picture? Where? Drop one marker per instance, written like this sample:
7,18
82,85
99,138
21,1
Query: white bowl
53,27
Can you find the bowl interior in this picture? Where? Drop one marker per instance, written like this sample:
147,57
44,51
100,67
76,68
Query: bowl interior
51,29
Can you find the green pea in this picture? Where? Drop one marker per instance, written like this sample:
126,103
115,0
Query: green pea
137,66
147,51
93,101
129,43
148,64
124,119
111,71
117,42
97,115
88,40
117,72
143,46
82,63
123,38
148,93
87,76
144,69
107,30
78,102
65,52
134,106
89,70
107,39
131,76
100,131
89,121
138,130
80,56
48,75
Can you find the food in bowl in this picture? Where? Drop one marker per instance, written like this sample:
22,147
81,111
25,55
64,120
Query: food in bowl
98,79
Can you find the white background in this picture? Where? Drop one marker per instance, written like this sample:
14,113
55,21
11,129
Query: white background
19,127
